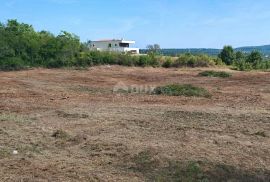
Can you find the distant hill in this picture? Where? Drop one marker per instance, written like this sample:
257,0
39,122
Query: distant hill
265,49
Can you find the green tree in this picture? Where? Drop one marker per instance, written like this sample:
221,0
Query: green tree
239,55
254,57
227,55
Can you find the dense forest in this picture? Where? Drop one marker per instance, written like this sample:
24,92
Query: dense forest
22,47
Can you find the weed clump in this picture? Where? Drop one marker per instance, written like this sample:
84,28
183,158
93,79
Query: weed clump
260,133
182,90
221,74
60,134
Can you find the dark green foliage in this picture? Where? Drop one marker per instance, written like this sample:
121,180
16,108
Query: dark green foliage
221,74
182,90
239,55
254,57
252,61
21,46
227,55
143,61
242,62
12,64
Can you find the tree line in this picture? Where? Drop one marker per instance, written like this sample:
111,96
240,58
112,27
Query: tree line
22,47
242,61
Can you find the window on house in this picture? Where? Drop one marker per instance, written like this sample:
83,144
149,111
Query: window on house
93,45
110,45
116,45
124,45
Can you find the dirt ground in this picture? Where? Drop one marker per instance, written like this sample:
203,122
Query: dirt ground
69,125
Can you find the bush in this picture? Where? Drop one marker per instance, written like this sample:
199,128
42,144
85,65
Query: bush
221,74
12,64
126,60
188,60
168,63
55,63
243,65
181,90
143,61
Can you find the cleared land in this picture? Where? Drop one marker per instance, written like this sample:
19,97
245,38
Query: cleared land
68,125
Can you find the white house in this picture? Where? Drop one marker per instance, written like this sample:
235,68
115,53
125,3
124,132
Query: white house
114,45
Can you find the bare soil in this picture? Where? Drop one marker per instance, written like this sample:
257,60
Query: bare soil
69,125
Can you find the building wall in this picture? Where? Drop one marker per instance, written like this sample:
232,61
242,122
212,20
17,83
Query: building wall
114,46
104,45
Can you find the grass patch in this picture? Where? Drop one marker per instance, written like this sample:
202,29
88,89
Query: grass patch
146,161
182,90
4,153
60,134
13,117
178,171
220,74
153,167
72,116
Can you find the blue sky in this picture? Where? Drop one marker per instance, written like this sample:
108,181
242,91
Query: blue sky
170,23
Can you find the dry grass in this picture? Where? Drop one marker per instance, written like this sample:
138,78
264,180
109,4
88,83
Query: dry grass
68,125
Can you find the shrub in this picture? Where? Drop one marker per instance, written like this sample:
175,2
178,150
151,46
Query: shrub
168,63
218,61
181,90
243,65
55,63
12,64
154,61
143,61
221,74
126,60
188,60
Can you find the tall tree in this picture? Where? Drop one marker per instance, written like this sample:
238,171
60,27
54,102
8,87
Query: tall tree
227,55
254,57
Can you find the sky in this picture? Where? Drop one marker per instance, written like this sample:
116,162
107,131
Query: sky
170,23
